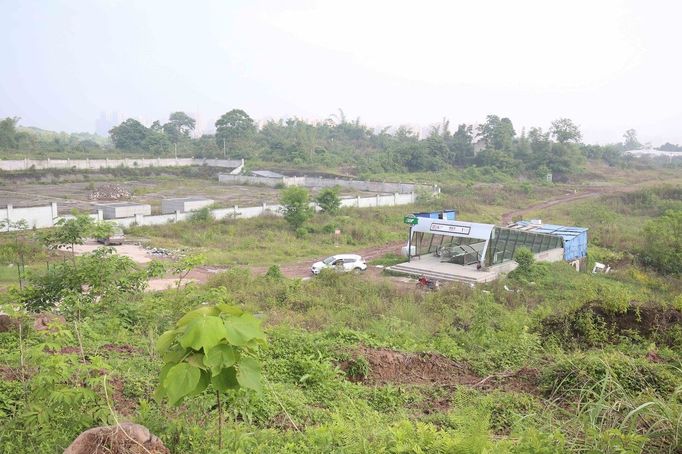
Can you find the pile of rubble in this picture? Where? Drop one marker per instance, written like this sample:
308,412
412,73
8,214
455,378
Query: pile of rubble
110,192
160,252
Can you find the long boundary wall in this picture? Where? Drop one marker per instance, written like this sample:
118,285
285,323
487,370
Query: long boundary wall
93,164
319,182
46,216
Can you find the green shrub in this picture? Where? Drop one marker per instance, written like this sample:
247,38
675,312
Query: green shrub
573,375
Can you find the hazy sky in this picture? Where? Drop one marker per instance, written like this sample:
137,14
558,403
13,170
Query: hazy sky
608,65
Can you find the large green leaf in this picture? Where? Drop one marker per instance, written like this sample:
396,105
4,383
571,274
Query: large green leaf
165,341
161,390
196,313
220,357
225,380
249,374
181,380
229,309
175,355
204,380
203,332
240,330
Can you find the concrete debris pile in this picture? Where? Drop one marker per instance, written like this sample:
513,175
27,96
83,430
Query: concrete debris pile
160,252
110,192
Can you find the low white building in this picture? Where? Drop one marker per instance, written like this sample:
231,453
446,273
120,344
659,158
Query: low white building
123,210
184,204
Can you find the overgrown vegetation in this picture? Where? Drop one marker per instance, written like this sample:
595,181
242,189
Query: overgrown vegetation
545,360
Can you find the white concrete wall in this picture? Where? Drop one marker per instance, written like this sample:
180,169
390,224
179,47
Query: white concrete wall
36,217
116,212
46,216
170,206
318,182
84,164
552,255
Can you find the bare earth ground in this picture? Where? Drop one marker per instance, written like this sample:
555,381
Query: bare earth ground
75,195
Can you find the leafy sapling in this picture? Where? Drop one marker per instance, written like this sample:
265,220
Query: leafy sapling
211,345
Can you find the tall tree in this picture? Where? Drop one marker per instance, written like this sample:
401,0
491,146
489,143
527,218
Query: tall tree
564,130
233,127
180,125
498,133
461,144
8,132
631,142
129,135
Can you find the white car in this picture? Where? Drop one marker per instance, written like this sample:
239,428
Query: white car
340,262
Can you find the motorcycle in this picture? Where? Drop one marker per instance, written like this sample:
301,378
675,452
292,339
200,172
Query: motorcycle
424,283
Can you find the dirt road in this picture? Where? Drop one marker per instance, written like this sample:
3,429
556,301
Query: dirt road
587,193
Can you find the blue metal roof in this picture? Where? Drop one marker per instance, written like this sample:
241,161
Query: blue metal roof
575,238
567,233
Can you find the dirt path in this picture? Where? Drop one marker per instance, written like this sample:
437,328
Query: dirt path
568,198
301,269
133,251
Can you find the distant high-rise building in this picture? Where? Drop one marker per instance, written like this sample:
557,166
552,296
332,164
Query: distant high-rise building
107,121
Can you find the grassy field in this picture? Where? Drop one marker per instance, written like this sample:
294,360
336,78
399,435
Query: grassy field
546,360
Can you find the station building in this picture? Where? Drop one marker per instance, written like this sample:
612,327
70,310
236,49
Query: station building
442,247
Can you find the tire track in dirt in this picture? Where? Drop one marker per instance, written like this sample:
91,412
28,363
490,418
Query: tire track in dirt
568,198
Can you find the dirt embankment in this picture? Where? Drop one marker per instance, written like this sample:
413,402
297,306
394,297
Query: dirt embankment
386,366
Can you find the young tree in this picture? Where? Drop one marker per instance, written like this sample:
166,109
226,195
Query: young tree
525,258
70,232
183,267
296,206
328,199
18,248
211,345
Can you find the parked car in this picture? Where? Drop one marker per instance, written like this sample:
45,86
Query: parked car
340,262
115,238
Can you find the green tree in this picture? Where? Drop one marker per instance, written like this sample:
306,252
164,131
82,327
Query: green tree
70,232
16,249
328,200
498,133
99,275
564,130
8,132
212,345
461,145
630,140
234,127
186,264
129,135
525,258
179,126
296,206
662,248
102,229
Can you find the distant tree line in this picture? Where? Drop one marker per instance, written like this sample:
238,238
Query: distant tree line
342,143
14,137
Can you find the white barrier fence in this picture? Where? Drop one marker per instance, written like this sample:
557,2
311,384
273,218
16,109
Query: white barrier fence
93,164
319,182
46,216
